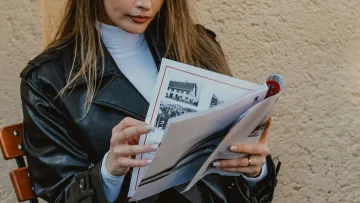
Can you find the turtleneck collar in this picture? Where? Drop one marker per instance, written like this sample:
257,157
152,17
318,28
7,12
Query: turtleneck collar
116,38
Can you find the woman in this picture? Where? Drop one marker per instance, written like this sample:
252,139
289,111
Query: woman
86,96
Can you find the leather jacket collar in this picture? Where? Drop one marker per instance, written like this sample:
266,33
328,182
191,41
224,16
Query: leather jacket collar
155,38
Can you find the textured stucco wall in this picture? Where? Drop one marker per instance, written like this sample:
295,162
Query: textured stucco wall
314,44
20,40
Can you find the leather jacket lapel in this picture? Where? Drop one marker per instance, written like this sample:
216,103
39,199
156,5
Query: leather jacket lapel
116,91
120,95
154,38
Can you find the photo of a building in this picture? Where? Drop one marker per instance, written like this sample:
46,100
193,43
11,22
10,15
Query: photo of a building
186,92
215,101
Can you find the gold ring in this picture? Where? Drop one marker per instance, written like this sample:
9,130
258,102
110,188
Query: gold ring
249,160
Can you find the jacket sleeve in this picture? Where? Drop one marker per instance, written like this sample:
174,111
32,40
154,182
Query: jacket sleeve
263,191
59,169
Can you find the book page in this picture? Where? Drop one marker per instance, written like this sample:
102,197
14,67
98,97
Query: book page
247,130
183,91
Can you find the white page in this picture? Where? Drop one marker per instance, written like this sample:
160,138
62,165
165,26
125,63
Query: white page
246,131
241,133
182,134
204,89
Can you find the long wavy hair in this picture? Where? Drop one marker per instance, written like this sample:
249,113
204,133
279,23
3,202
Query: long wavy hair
184,42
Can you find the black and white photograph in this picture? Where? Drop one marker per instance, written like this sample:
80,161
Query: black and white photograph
220,98
257,131
215,101
187,92
167,111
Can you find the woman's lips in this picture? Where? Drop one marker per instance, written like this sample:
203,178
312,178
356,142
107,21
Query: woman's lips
139,19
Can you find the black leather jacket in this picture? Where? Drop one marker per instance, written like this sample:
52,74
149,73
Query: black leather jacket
64,152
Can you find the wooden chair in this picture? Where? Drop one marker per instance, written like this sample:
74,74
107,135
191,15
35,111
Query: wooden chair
11,148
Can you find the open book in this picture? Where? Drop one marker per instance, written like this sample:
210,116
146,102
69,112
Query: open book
197,114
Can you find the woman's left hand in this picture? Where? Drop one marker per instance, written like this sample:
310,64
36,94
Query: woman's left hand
251,165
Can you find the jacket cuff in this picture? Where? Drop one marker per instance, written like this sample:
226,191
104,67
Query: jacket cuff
96,182
264,190
252,182
86,187
112,184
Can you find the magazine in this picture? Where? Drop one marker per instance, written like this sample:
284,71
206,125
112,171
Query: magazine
197,114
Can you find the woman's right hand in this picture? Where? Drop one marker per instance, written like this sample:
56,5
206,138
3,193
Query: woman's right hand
124,145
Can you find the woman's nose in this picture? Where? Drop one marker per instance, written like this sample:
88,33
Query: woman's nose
144,4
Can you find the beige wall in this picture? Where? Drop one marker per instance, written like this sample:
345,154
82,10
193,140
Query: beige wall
314,44
20,40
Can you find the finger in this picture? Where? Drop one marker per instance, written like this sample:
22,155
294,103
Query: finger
127,150
127,122
260,149
232,163
246,170
257,160
135,140
241,162
128,162
265,133
134,132
131,132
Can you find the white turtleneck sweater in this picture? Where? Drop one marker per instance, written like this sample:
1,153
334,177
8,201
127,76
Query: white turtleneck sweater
132,56
134,59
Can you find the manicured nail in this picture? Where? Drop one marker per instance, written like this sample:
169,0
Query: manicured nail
154,147
149,128
148,161
233,148
216,164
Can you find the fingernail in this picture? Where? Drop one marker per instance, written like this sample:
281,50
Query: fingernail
148,161
216,164
149,128
233,148
154,147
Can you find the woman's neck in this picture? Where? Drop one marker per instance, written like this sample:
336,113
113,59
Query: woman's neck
115,37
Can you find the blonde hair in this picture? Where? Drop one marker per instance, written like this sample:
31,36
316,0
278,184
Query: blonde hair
184,42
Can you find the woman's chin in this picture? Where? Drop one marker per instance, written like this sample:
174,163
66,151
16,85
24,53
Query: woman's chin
132,27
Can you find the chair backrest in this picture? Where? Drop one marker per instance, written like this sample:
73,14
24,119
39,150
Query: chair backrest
11,148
